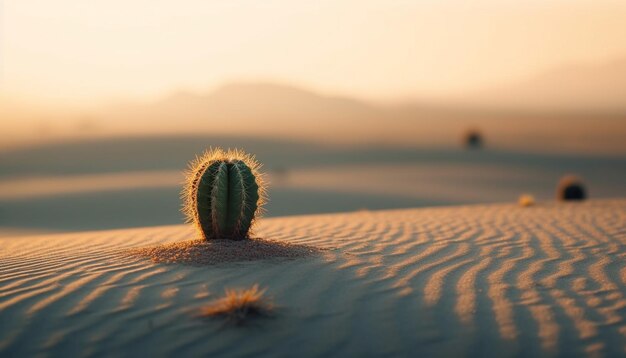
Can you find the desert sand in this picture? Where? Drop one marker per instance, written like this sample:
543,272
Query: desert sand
135,182
482,280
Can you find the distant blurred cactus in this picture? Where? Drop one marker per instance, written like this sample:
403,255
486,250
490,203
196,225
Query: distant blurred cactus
571,188
472,139
224,194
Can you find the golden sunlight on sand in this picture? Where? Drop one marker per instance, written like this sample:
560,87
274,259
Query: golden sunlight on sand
546,279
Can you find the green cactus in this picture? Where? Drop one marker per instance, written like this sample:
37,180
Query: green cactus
224,194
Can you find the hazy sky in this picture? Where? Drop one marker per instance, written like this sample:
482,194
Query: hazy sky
80,51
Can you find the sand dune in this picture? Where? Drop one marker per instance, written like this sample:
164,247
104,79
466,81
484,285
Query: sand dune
491,280
136,182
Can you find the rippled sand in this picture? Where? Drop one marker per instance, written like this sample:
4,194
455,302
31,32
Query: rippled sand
493,280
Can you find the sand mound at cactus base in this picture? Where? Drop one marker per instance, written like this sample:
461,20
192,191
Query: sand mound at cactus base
203,252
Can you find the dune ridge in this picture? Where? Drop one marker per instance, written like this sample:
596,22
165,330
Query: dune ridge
486,280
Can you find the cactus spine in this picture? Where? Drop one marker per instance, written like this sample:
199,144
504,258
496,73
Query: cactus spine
224,194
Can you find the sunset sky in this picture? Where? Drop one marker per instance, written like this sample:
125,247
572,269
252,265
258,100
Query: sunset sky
76,51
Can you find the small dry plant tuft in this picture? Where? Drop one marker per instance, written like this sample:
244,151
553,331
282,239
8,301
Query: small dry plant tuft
239,306
526,200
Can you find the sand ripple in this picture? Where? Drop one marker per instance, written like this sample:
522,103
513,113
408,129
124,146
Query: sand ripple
474,280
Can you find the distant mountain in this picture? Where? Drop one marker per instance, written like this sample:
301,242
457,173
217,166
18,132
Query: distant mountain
284,112
268,110
262,109
590,88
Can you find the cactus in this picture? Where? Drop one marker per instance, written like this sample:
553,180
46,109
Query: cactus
473,139
224,194
571,188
